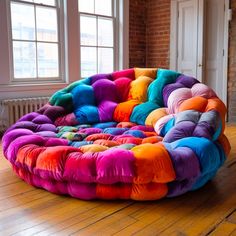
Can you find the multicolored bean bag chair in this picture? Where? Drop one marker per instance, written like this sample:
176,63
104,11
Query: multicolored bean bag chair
139,134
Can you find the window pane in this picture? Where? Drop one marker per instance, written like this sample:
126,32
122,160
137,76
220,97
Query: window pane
22,19
103,7
88,30
46,20
47,59
24,59
86,6
46,2
105,32
105,60
88,61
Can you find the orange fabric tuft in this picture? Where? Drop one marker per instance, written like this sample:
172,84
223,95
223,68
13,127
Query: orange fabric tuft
194,103
150,133
123,110
153,164
155,115
149,191
107,143
125,124
152,139
93,137
149,72
216,104
93,148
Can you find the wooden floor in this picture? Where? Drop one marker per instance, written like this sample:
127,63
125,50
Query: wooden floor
25,210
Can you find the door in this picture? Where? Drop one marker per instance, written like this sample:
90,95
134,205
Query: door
186,50
214,46
187,37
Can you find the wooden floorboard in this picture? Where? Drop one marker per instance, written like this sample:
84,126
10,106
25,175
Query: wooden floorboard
25,210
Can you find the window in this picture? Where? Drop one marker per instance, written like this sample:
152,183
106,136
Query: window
43,49
97,41
35,39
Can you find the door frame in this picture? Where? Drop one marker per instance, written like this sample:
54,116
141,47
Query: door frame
174,42
226,49
173,34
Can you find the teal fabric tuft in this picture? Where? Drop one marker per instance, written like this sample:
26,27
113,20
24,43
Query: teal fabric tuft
140,112
164,77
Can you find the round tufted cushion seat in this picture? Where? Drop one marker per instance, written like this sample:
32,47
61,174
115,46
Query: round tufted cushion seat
139,134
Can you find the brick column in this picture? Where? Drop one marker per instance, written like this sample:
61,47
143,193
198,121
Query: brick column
137,33
232,66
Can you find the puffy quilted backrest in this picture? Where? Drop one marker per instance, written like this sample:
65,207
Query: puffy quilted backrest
141,96
121,96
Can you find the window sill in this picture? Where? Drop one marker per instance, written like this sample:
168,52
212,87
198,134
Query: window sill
29,90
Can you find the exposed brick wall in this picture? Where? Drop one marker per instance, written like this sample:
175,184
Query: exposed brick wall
149,31
232,66
158,33
137,33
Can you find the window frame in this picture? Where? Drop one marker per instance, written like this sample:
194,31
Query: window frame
59,6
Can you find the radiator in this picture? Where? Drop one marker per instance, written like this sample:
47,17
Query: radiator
13,109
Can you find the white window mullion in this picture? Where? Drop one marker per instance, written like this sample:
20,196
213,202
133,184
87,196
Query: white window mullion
115,48
96,40
99,15
36,43
61,42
